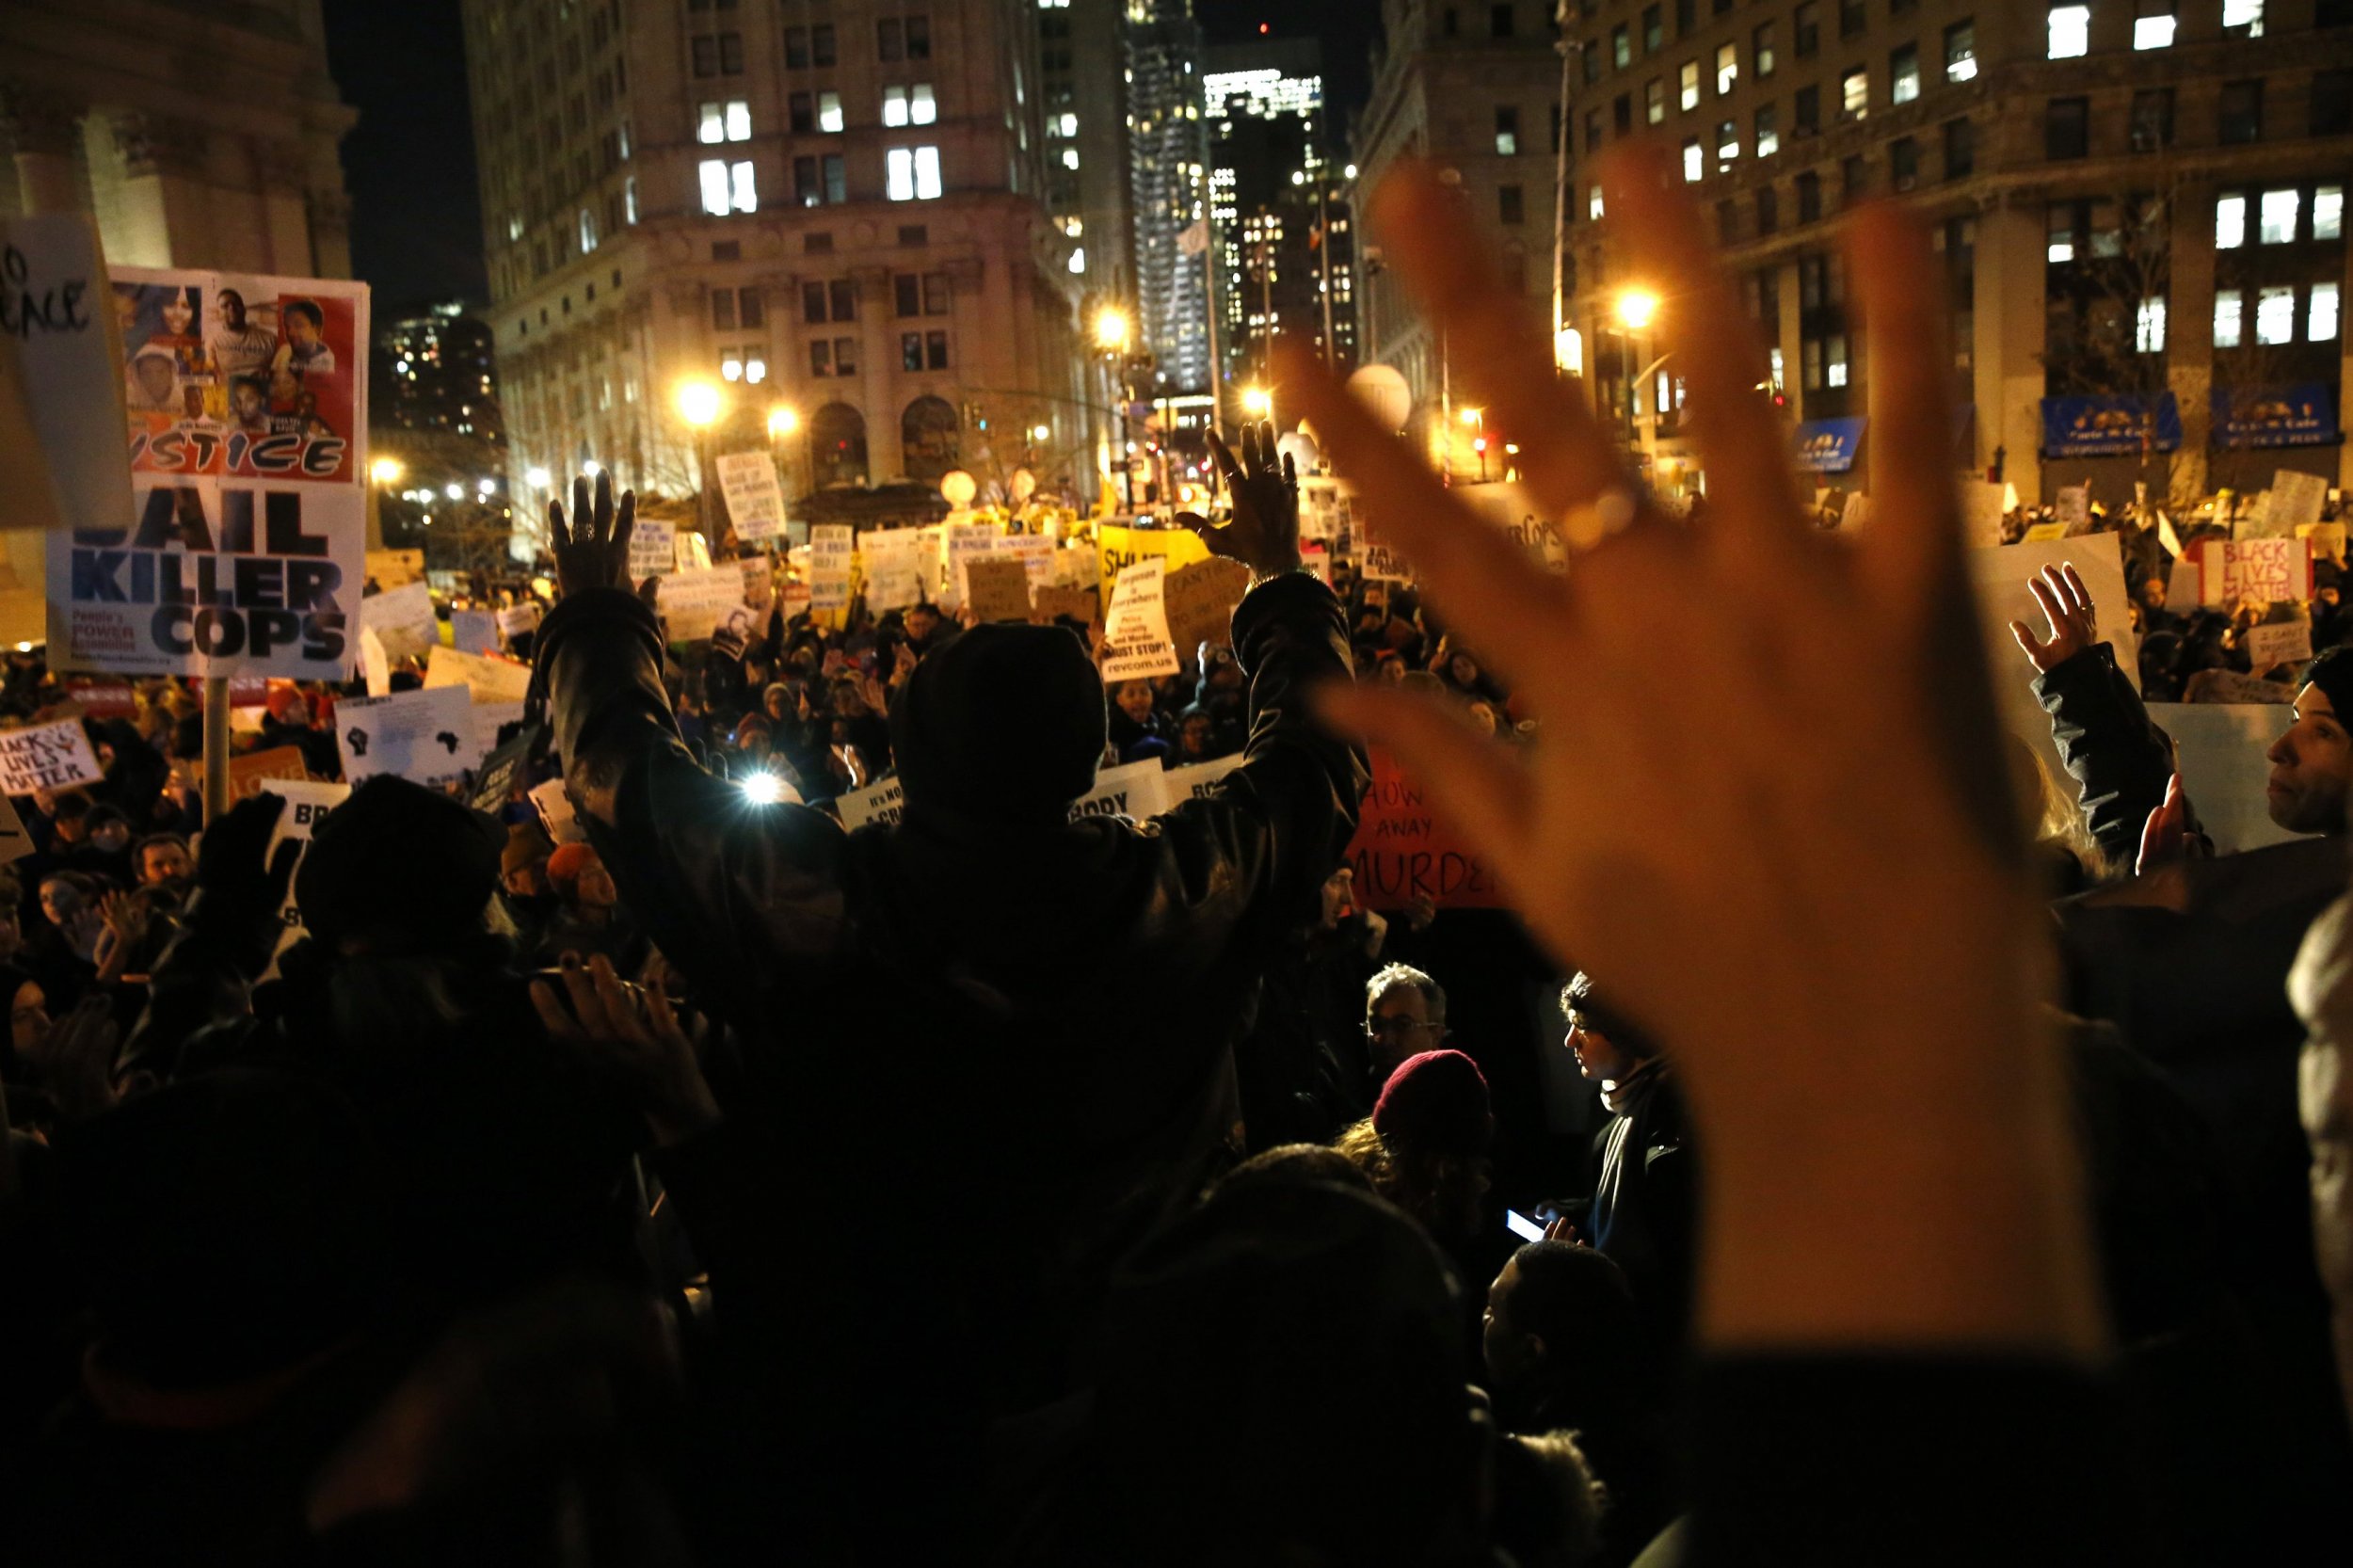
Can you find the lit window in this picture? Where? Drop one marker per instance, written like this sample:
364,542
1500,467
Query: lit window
1961,51
2320,322
714,124
1692,164
894,106
1078,259
2329,213
2154,32
1904,73
2149,327
829,112
755,367
1836,354
922,107
2229,222
911,173
714,183
1727,142
2275,316
1592,204
1654,102
746,194
739,121
731,365
1070,158
1767,132
587,231
1068,125
628,198
2228,308
1690,82
2243,13
1727,67
2276,224
2071,32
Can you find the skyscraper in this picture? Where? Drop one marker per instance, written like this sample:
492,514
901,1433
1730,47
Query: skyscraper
1277,207
1087,161
838,211
1168,157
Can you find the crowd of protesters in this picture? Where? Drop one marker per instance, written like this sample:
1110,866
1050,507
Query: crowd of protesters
993,1184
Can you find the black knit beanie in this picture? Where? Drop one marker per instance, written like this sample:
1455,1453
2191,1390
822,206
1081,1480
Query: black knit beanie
399,861
1007,723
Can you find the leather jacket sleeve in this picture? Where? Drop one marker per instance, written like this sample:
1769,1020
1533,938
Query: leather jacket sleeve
2119,758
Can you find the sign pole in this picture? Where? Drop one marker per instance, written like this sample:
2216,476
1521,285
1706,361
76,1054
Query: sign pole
216,748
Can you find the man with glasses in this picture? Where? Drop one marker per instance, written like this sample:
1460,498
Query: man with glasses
1404,1015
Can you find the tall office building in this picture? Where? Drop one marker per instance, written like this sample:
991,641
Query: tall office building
1278,209
1473,88
2138,207
1083,53
1167,158
838,209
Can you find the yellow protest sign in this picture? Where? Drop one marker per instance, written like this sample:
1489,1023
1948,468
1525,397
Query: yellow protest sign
1118,546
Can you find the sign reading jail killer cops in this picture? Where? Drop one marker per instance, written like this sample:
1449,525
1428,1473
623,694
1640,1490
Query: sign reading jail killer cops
214,577
46,756
1403,852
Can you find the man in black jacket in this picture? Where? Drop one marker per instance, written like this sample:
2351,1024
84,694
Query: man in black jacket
988,1026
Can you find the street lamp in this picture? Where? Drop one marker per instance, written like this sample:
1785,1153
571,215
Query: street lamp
537,477
782,421
698,405
1111,329
1476,421
1258,401
1636,309
386,470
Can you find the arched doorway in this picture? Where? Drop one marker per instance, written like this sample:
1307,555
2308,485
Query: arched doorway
930,435
837,446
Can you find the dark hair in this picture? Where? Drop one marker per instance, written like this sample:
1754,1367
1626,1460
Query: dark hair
138,851
305,308
1568,1293
1579,999
69,807
103,813
255,383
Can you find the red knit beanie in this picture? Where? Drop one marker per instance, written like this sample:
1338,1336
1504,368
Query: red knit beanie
1435,1103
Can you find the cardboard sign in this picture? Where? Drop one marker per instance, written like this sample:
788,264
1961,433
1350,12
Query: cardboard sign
2326,539
998,589
1136,646
895,560
2267,570
1403,852
60,378
2287,642
488,678
2044,533
404,618
47,757
2231,686
474,632
882,803
308,803
1201,599
15,844
1131,790
653,549
2074,512
830,548
1192,782
395,569
519,620
1048,605
425,736
1981,514
255,771
2297,502
693,603
755,500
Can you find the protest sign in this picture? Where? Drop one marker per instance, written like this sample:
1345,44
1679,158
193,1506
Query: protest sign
486,678
15,844
1326,511
2167,540
2000,576
1318,561
2044,533
2219,751
755,500
60,378
255,771
695,603
2297,502
2286,642
1201,599
214,577
237,377
111,699
1135,627
2181,582
1378,563
1179,785
964,542
376,665
2074,512
760,582
1981,514
830,546
880,803
1118,546
556,811
1402,850
895,560
425,736
998,589
2267,570
691,552
2326,539
404,618
1056,603
1131,790
519,620
2232,687
474,630
1035,552
308,803
653,549
395,569
46,756
494,780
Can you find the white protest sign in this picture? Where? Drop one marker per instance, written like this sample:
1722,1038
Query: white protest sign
830,546
1179,785
2181,583
2220,749
2287,642
519,620
965,542
877,803
425,736
653,549
695,603
2169,541
60,378
2268,570
308,801
488,719
2256,523
1981,514
1136,644
555,809
755,500
474,630
376,665
486,678
2296,501
2000,576
1378,563
46,756
1130,791
1035,552
693,550
895,559
15,844
2074,512
403,616
1325,511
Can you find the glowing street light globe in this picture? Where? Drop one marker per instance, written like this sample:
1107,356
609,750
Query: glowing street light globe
386,470
782,421
1257,400
1111,329
1637,309
698,403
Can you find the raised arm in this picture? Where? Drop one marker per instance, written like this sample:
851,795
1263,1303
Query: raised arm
2120,759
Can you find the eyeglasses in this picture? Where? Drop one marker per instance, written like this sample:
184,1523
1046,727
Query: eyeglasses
1395,1024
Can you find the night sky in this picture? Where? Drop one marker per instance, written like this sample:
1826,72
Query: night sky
416,226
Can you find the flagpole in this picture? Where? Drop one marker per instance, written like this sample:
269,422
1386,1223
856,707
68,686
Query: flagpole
1217,378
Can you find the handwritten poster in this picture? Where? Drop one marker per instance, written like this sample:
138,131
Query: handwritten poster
830,548
1403,852
60,378
46,756
425,736
2268,570
653,549
755,500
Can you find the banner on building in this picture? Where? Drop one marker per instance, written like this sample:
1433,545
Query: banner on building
2110,426
2300,414
1828,445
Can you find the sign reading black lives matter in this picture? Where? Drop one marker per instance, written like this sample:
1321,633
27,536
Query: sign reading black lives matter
245,551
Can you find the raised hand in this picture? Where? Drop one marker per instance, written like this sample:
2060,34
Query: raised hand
1263,532
1805,866
2066,603
646,1050
593,551
2165,836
